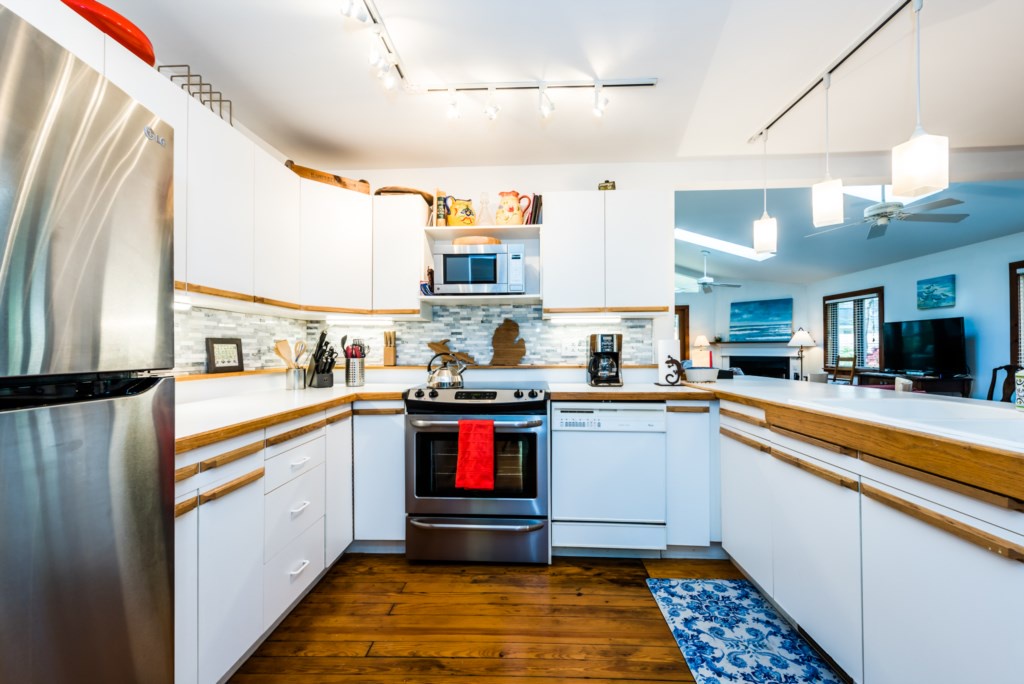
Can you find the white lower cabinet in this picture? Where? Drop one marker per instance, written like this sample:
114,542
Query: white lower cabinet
378,441
747,505
291,571
688,474
937,608
291,509
230,607
186,588
338,533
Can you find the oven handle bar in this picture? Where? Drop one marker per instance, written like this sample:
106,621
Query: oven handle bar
513,425
466,526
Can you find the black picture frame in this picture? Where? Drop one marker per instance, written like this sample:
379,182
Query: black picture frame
224,355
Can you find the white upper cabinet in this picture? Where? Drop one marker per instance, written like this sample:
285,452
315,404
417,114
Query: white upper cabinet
277,261
639,249
220,203
572,250
398,252
337,243
169,102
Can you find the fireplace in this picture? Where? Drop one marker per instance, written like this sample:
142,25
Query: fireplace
764,366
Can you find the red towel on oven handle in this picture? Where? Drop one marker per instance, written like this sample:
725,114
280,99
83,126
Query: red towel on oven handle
475,467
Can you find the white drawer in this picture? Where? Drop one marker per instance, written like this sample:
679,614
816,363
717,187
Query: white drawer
212,463
289,465
291,508
288,573
608,536
286,436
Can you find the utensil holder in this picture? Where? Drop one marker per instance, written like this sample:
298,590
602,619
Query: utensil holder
389,356
322,380
295,378
355,372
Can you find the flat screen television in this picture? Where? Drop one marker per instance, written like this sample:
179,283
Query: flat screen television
934,346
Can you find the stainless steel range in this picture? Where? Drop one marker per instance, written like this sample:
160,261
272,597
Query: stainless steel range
509,523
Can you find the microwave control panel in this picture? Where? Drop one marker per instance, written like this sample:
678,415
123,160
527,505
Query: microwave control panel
516,269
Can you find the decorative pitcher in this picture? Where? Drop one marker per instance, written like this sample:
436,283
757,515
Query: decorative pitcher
460,212
510,210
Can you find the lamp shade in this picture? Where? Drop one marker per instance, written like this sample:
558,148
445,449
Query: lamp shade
827,202
920,165
766,234
701,341
801,338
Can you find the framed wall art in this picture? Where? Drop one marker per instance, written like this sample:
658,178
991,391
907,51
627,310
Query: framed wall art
936,293
764,320
223,355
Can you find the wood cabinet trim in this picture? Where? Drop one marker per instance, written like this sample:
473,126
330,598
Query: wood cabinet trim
378,412
201,439
688,409
952,485
183,507
297,432
817,471
217,292
829,446
339,416
637,309
581,309
337,309
743,439
968,533
230,456
396,312
185,472
277,302
228,487
736,415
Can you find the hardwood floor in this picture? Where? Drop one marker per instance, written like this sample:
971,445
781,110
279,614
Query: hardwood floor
383,619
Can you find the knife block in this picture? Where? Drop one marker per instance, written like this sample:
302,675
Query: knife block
389,356
322,380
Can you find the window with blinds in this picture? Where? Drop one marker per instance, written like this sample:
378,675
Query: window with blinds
1016,308
853,327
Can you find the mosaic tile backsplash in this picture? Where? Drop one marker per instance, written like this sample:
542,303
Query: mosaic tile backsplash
467,328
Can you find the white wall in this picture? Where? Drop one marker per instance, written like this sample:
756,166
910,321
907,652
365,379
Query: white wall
982,297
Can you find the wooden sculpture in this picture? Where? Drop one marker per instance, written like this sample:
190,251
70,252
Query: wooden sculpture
508,351
442,348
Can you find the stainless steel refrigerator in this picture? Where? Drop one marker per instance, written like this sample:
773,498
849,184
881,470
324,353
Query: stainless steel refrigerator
86,432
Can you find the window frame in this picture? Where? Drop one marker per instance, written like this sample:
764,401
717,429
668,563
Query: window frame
1016,285
877,292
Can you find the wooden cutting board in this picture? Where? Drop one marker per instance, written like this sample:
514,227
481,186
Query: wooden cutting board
476,240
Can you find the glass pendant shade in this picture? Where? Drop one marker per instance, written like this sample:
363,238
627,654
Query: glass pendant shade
827,202
920,165
766,234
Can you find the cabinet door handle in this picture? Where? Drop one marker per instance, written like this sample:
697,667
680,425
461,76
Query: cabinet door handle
298,509
297,432
817,471
228,487
743,439
298,571
299,463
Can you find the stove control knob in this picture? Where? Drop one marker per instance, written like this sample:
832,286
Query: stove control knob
518,394
433,394
533,394
419,394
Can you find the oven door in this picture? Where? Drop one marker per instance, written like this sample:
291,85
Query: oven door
520,467
471,269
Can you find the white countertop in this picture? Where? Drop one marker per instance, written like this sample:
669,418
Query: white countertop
626,389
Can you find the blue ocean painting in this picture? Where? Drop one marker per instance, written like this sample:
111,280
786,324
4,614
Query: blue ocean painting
766,320
935,293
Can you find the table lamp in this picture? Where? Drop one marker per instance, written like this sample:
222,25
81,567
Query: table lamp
701,342
801,338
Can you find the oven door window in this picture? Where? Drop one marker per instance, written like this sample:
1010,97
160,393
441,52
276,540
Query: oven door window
515,467
471,269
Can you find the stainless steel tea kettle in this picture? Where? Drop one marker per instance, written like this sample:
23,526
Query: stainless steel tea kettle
448,375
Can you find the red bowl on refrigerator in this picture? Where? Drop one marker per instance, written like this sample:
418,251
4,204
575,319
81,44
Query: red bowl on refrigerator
117,27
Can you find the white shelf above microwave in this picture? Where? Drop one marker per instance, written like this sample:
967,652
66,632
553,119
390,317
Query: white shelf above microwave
481,300
527,232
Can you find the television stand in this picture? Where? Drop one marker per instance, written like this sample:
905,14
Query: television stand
960,386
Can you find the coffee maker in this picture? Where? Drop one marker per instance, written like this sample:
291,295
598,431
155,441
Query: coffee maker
603,363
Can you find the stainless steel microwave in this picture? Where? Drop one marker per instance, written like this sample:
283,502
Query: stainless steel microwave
479,269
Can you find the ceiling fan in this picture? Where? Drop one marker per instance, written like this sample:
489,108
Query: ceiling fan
882,214
706,282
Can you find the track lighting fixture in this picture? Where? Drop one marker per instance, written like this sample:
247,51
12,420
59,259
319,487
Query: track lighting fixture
766,229
491,109
827,196
355,10
453,105
545,105
390,78
600,101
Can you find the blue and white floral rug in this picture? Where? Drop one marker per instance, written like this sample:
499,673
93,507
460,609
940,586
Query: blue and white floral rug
728,632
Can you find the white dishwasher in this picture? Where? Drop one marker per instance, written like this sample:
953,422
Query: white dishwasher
608,475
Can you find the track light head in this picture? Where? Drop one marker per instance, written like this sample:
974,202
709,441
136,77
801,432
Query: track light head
453,105
545,105
491,110
355,10
600,101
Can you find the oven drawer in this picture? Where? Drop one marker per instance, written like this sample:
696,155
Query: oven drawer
502,540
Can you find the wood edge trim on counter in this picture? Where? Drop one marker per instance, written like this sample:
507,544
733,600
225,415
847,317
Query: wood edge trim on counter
179,285
183,507
598,395
230,456
185,472
228,487
236,374
688,409
743,439
217,292
952,485
378,412
829,446
736,399
297,432
378,396
981,538
277,302
817,471
736,415
331,420
202,439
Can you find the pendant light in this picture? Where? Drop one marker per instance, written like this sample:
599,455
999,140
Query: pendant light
766,229
920,166
827,196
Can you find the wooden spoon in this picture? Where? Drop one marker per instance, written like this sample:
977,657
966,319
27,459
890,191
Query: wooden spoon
284,350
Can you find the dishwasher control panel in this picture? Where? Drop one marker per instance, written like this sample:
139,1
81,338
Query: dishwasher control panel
609,418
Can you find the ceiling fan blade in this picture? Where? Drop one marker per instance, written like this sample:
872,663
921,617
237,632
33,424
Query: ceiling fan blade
877,231
934,218
829,230
728,285
937,204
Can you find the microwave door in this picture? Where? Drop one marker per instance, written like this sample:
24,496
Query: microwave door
478,273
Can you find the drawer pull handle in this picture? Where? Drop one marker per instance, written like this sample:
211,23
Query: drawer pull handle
298,571
301,462
298,509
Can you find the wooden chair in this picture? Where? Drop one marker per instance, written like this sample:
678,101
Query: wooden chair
1008,381
845,371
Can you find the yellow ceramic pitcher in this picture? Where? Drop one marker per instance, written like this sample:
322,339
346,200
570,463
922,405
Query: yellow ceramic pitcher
510,210
460,212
